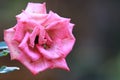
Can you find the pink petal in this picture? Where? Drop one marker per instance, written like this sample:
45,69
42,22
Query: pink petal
21,28
70,27
38,18
49,41
52,17
60,63
61,31
67,45
35,12
33,35
29,25
36,8
36,66
41,35
58,29
8,37
24,47
19,32
22,16
53,52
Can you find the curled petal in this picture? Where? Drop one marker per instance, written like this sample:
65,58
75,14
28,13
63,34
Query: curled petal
63,40
21,28
33,35
58,29
52,17
41,36
37,66
19,32
49,41
33,54
61,34
53,52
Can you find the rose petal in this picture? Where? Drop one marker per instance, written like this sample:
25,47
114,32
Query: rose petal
60,63
33,35
36,8
8,37
49,41
19,32
41,35
34,11
52,17
24,47
62,41
58,29
60,33
35,67
38,18
21,28
53,52
70,27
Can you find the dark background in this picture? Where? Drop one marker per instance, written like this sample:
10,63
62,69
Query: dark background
96,54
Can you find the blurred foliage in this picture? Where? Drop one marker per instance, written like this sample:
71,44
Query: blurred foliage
5,69
3,49
5,52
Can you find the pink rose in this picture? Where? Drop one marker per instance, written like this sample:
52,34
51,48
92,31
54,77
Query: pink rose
40,40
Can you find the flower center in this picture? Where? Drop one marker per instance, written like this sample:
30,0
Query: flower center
46,46
36,40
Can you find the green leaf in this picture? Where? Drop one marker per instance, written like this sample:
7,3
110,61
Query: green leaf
5,69
3,49
4,53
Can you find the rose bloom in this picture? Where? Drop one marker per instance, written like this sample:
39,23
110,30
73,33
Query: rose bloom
39,40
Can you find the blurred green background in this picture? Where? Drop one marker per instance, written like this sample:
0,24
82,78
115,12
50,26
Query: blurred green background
96,54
